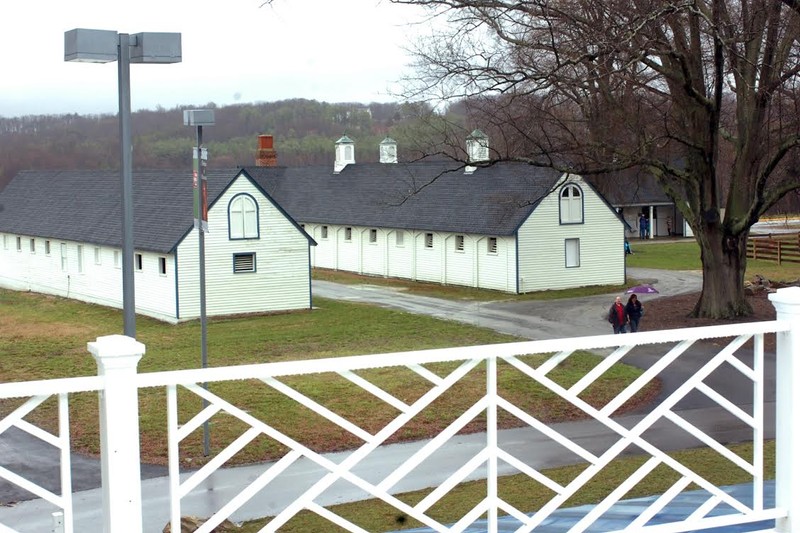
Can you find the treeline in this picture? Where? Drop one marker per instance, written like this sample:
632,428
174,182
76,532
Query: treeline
304,132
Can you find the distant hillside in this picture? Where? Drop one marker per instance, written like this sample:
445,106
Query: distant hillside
304,132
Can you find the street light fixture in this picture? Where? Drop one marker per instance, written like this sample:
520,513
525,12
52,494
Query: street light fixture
104,46
200,118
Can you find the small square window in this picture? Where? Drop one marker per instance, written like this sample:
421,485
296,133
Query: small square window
491,245
348,234
324,232
46,247
33,246
244,263
373,236
138,262
162,266
429,240
459,243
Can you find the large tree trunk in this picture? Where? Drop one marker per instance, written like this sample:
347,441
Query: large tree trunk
724,259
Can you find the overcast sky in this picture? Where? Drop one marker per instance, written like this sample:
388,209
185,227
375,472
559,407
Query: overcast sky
234,51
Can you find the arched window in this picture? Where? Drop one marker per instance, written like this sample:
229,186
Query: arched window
243,217
571,207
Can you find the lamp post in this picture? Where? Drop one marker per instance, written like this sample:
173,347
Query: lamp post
104,46
200,118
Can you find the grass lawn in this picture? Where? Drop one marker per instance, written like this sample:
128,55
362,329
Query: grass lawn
685,255
45,337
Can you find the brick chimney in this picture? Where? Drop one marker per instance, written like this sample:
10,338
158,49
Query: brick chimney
266,156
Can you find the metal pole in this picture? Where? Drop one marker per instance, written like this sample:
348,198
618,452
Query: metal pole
202,262
126,149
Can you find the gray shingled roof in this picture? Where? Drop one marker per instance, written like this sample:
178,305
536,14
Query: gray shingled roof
85,206
423,195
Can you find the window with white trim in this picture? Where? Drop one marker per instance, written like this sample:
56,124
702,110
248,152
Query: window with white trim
138,262
243,217
5,242
244,263
80,258
32,245
19,244
373,236
63,257
459,243
116,259
429,240
348,234
324,232
399,237
571,206
572,253
162,266
98,255
46,247
491,245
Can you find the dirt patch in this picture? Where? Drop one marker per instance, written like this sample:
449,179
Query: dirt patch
15,328
673,313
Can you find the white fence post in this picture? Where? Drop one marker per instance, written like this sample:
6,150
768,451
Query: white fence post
117,357
787,433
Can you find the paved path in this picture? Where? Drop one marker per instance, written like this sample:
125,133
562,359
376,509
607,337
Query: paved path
531,319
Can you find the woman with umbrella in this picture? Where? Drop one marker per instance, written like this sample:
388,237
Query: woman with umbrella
634,309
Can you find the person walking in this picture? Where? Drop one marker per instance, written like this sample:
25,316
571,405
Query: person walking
617,317
634,311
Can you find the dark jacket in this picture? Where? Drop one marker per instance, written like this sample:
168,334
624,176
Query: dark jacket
614,315
634,310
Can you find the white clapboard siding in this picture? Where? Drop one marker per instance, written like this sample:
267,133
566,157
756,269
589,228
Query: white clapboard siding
496,269
373,253
83,275
400,256
542,246
281,280
534,259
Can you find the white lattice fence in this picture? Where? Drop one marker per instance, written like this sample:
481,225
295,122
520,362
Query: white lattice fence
442,372
487,460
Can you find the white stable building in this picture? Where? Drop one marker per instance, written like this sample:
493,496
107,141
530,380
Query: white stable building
510,227
60,234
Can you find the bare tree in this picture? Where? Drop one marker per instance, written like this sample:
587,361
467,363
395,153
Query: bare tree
703,94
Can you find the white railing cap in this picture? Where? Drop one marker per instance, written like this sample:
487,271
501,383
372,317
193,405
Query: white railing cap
115,346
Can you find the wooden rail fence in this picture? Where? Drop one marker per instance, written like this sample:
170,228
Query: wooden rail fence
778,248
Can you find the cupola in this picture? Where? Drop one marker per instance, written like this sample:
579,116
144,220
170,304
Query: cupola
477,149
345,153
388,150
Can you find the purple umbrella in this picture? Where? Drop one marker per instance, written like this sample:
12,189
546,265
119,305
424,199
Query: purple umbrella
642,289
